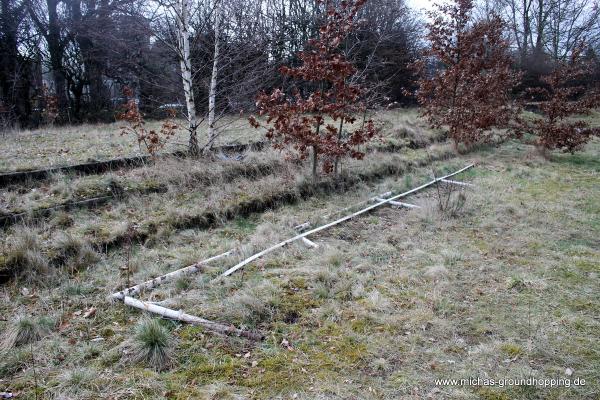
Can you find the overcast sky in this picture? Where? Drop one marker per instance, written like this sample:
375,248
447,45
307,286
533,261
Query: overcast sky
420,4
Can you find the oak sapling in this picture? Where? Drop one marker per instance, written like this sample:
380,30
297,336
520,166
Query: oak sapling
153,140
564,96
321,120
469,93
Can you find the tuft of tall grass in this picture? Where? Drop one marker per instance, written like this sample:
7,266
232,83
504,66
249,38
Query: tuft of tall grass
153,344
62,219
74,253
24,330
24,257
254,305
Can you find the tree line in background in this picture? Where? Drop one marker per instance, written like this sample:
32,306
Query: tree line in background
68,61
466,83
478,94
86,51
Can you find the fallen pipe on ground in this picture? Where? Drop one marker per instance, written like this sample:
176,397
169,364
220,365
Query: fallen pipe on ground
336,222
125,296
154,308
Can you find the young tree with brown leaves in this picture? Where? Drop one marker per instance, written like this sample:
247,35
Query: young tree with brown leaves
153,140
470,91
563,97
322,120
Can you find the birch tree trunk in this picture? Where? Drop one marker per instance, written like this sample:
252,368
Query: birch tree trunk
213,80
191,319
183,34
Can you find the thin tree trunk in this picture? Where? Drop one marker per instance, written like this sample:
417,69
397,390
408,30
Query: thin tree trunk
183,24
337,159
10,76
213,79
540,28
526,31
315,152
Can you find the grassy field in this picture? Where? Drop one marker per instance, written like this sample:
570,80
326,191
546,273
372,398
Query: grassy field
59,146
503,284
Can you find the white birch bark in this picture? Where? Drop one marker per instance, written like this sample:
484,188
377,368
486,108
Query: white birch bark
183,27
152,283
213,79
179,315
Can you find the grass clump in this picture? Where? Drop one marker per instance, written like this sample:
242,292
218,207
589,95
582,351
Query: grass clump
24,257
15,360
183,283
74,253
24,330
78,383
62,219
452,257
254,305
512,349
153,345
516,283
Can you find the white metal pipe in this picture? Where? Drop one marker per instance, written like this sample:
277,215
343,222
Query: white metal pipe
310,243
336,222
401,204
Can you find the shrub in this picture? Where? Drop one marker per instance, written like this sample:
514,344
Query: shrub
563,97
470,90
450,200
153,141
50,110
300,121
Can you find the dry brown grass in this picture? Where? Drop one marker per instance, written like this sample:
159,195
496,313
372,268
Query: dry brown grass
389,302
210,203
395,300
65,145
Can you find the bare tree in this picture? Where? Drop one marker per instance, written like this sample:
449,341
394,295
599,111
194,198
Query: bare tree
213,78
571,22
552,26
181,13
45,16
172,25
15,80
